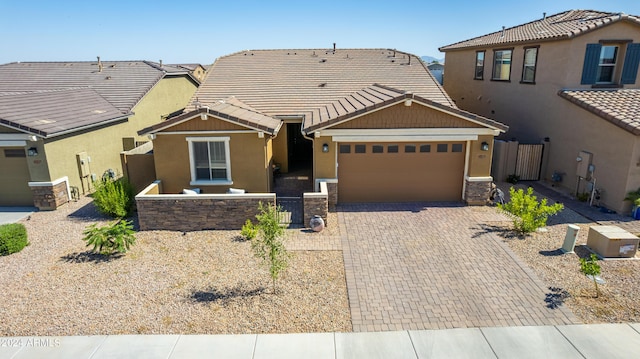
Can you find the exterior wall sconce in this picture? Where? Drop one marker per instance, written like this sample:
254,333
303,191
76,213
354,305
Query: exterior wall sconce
325,147
484,146
32,152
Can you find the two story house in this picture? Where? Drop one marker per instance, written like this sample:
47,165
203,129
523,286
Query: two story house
570,80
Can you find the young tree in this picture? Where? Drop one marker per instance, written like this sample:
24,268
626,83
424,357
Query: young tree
590,267
268,245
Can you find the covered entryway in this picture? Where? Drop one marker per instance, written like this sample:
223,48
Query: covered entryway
400,172
14,177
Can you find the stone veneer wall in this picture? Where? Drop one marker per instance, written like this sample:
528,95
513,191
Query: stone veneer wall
49,196
197,212
315,203
477,192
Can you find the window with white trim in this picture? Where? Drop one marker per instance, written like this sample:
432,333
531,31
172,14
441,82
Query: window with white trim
607,64
529,65
209,160
502,65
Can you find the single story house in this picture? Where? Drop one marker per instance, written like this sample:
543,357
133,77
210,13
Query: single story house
64,124
372,123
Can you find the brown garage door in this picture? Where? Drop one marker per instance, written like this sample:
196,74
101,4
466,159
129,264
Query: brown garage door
389,172
14,175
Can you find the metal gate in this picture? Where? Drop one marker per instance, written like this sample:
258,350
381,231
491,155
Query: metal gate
291,210
529,162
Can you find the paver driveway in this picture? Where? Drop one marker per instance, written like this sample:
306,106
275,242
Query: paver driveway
432,266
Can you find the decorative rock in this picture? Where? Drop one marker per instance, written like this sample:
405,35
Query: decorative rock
316,223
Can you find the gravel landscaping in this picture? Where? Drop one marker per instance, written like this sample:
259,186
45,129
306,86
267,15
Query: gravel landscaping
170,282
620,295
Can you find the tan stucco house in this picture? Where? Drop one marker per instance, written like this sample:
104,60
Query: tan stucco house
63,124
372,123
570,78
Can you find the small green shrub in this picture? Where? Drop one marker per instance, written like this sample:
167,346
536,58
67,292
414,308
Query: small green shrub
528,214
13,238
269,245
583,197
114,237
591,267
114,197
249,230
513,179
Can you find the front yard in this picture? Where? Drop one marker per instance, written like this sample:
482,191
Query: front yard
620,295
170,282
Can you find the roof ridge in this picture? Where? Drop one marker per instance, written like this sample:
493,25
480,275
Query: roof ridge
553,28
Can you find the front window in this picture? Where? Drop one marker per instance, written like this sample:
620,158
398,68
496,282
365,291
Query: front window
607,64
479,74
501,65
209,159
529,66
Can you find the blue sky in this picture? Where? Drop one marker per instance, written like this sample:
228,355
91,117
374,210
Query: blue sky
200,31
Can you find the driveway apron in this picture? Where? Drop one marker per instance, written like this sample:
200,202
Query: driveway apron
435,266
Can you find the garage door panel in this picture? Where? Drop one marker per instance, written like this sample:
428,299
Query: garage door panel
391,177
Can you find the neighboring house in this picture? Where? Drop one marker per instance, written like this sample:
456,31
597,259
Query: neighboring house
437,70
63,124
196,70
571,78
373,123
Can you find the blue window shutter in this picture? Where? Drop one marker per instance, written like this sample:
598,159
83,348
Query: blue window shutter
590,67
631,62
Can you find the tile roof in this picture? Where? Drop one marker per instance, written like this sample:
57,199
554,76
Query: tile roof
377,96
56,111
115,89
230,109
620,106
306,82
560,26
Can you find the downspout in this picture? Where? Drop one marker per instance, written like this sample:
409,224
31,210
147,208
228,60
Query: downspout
313,169
466,169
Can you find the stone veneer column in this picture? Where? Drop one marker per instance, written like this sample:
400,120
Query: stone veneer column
332,191
48,196
477,190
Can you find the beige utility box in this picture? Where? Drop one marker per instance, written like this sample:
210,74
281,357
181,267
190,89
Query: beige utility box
612,241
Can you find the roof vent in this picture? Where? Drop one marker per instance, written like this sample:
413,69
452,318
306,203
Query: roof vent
502,34
544,16
334,47
324,84
99,65
160,62
323,60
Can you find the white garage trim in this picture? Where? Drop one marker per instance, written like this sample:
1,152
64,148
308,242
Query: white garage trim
410,132
13,143
417,138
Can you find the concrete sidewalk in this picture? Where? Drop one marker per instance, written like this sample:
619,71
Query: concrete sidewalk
563,341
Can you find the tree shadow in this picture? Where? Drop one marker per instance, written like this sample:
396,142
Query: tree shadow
500,231
90,257
556,297
224,295
239,238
